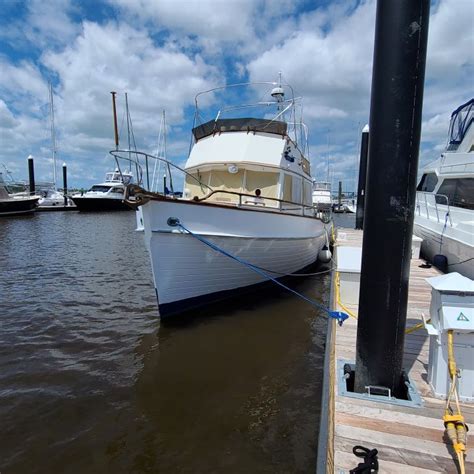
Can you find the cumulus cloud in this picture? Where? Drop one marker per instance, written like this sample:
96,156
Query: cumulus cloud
163,52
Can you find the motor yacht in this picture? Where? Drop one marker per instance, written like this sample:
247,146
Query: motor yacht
322,196
444,212
106,196
247,191
15,204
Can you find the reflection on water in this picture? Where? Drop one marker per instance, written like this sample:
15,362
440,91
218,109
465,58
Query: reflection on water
90,381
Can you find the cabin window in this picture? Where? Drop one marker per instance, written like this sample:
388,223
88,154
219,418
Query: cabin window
195,185
225,181
287,187
308,197
460,192
99,189
267,182
428,182
297,189
117,190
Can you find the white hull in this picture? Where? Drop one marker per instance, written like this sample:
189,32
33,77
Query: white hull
187,273
449,234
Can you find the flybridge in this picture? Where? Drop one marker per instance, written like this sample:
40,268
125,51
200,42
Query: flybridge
239,125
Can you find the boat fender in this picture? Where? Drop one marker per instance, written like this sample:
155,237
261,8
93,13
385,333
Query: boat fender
324,255
441,262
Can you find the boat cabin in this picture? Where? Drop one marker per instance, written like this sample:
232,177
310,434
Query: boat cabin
248,161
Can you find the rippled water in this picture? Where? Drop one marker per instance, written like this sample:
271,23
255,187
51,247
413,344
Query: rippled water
91,382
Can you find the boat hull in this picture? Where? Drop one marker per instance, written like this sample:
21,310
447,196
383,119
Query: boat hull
459,254
87,204
12,207
187,273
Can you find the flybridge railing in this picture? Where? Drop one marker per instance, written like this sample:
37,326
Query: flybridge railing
433,206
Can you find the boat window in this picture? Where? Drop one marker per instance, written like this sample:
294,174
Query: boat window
460,192
267,182
195,185
287,187
428,182
117,190
297,189
225,181
308,198
99,189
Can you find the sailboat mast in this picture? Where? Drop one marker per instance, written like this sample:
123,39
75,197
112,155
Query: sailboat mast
128,130
53,132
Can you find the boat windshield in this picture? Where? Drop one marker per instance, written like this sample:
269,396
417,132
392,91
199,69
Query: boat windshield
98,188
461,120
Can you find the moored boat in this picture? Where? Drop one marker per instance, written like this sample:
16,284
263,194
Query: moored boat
444,213
247,192
11,205
106,196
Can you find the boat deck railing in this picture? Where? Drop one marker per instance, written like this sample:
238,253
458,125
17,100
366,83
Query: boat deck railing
243,199
433,206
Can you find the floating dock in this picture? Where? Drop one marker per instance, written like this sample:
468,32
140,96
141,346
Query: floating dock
408,439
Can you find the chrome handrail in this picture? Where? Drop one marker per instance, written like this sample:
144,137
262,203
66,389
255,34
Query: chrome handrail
435,203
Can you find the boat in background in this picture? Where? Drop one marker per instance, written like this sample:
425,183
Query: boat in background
15,204
444,212
247,191
322,196
106,196
50,196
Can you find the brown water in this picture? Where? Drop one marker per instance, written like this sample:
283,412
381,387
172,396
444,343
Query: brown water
91,382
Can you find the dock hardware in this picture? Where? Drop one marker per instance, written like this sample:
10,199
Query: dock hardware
345,385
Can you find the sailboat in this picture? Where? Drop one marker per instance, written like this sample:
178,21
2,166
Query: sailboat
51,197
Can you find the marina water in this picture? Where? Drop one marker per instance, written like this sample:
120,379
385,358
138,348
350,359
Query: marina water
90,381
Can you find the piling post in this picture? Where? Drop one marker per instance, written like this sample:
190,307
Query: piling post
31,174
395,123
65,183
364,149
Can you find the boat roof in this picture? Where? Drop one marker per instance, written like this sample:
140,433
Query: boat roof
240,125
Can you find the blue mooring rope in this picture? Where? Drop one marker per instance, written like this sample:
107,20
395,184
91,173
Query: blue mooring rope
338,315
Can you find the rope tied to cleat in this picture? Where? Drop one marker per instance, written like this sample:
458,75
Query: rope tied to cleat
339,316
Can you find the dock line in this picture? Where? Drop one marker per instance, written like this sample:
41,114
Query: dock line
338,315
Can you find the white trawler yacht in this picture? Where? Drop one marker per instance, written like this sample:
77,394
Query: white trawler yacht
444,213
248,191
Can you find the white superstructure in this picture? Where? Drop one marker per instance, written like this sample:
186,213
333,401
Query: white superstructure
444,213
248,190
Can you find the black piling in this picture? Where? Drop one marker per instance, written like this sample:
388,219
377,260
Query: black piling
364,151
65,183
31,174
339,197
395,123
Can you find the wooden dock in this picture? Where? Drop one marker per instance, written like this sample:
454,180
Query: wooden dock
409,440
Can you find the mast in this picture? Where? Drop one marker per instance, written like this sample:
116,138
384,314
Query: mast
53,132
128,130
116,136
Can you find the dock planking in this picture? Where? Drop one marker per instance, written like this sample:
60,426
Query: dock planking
408,439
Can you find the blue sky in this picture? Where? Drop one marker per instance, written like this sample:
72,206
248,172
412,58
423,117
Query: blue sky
162,52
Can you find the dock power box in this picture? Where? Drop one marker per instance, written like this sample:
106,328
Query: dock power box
452,308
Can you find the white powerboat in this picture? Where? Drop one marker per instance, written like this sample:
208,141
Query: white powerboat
322,196
15,204
444,213
248,192
106,196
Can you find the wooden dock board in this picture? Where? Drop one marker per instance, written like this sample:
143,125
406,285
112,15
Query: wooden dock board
408,439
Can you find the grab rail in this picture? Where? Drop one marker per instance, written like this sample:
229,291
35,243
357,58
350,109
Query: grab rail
432,202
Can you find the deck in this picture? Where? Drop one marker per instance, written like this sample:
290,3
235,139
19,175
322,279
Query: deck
408,439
